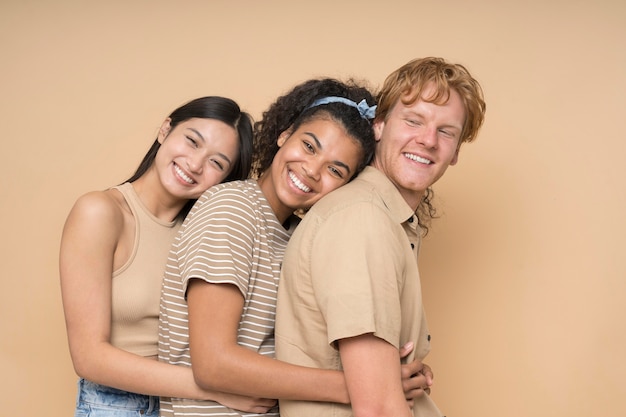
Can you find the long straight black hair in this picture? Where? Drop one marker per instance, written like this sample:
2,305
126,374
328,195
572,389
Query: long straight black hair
210,107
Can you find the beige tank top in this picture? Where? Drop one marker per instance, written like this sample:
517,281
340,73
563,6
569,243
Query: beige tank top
137,284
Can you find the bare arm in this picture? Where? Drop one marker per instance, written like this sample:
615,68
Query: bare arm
375,389
89,243
220,363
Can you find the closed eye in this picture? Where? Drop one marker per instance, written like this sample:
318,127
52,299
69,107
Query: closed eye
221,161
413,122
193,141
449,133
219,164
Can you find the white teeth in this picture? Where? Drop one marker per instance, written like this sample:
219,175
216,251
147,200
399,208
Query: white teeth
183,175
298,183
418,158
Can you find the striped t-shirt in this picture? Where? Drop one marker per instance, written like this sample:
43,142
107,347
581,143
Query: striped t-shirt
231,236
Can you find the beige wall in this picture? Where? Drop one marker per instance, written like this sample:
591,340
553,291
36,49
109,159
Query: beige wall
524,275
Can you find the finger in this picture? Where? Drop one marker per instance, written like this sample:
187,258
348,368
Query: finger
414,387
406,349
428,373
413,394
416,381
409,369
266,404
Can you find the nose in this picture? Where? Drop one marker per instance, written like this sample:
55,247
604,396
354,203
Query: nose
428,137
312,170
195,163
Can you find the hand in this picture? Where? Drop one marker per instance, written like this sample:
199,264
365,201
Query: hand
428,373
417,378
246,404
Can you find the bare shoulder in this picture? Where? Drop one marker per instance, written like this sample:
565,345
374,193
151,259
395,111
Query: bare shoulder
98,210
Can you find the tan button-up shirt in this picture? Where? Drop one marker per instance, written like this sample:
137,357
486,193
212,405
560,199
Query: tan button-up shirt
351,269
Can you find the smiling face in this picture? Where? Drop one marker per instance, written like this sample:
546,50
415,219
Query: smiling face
195,155
311,162
417,142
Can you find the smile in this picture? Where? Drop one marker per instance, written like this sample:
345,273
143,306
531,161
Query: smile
418,159
183,175
298,183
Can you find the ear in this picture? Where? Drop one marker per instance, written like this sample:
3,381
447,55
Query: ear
164,130
378,127
282,138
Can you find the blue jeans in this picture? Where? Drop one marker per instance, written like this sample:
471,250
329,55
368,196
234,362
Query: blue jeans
94,400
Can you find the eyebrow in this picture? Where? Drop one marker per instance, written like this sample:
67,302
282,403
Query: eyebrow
204,140
319,145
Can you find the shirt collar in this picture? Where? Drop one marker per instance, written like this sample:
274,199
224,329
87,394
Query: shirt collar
398,207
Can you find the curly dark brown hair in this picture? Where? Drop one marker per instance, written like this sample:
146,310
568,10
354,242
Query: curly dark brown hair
292,109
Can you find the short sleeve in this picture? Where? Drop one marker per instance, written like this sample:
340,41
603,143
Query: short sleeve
356,266
216,240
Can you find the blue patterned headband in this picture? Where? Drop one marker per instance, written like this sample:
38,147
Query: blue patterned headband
367,112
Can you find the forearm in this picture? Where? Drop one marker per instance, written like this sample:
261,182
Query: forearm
220,363
107,365
242,371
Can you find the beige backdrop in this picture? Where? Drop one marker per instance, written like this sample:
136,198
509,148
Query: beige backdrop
524,275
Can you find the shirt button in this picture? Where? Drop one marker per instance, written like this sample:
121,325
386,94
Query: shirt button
412,246
411,219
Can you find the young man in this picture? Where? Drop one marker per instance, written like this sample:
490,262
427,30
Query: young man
350,292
